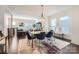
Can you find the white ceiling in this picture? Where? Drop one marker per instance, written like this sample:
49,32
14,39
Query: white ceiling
35,10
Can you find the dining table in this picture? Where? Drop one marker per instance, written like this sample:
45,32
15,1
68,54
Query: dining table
36,32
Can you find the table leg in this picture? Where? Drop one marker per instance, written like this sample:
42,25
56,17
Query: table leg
6,45
32,43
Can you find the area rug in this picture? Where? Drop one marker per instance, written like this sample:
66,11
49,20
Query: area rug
50,49
60,43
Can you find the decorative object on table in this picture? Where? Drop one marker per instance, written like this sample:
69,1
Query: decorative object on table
21,24
34,26
39,26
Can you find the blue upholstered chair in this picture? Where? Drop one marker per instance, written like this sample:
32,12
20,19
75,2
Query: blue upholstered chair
40,36
49,34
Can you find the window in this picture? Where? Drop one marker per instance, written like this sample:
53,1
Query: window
64,24
53,24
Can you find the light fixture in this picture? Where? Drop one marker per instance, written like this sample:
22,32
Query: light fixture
42,19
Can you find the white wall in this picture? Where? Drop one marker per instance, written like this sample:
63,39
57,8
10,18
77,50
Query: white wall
2,18
7,22
73,14
74,25
4,14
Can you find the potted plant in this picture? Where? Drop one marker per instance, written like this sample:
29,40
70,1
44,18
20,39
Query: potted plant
34,26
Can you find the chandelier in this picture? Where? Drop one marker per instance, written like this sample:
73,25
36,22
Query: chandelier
42,19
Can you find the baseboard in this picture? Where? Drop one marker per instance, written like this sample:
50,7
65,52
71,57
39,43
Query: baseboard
74,43
64,39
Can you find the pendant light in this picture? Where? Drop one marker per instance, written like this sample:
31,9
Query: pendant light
42,19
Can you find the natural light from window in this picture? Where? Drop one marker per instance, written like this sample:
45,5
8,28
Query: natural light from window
64,24
53,24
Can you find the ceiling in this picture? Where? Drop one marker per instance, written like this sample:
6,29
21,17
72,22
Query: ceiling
35,10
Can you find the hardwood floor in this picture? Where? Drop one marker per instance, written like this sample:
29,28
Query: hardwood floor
70,49
25,49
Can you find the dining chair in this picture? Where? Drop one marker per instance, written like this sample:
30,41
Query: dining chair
1,45
40,37
30,37
49,36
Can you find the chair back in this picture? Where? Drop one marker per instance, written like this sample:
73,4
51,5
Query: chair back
49,34
28,35
41,36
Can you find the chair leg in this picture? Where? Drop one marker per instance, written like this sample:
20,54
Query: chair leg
29,42
54,40
39,46
39,42
35,42
2,50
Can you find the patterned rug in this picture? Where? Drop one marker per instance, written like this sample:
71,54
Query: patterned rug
60,43
50,49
